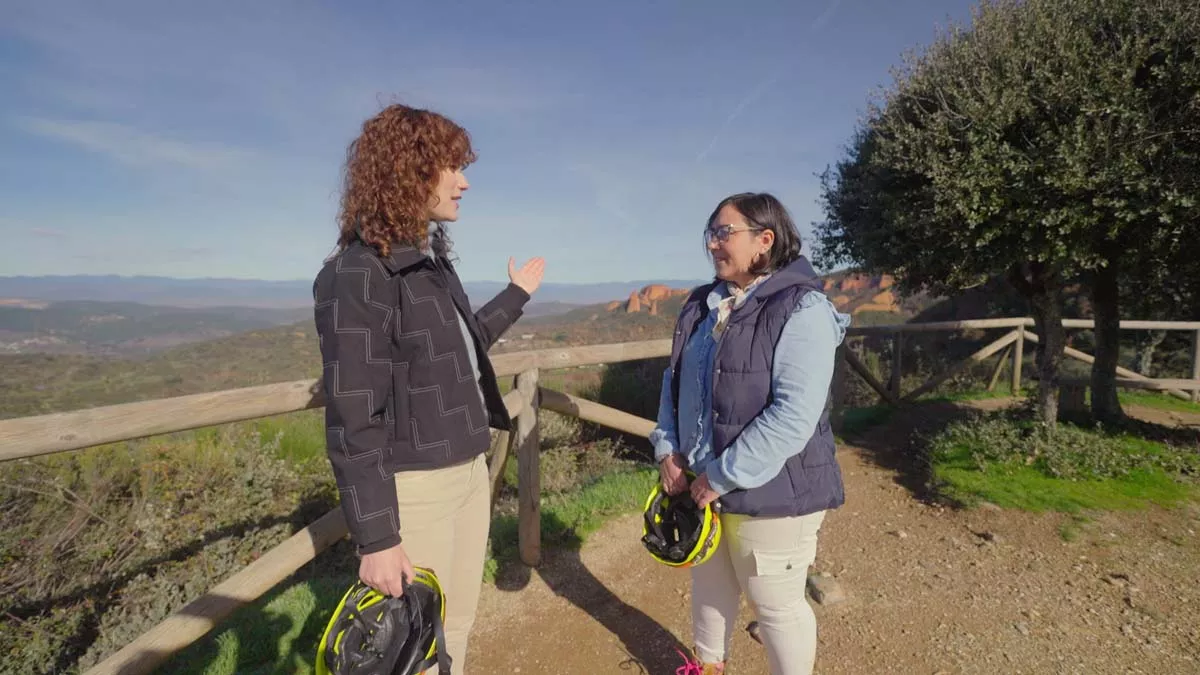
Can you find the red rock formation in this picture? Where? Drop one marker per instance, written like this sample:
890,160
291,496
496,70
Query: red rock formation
855,282
884,298
634,304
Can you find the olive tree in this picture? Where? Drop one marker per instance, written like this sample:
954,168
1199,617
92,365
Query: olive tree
1052,140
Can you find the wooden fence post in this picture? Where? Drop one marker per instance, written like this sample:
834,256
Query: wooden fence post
529,490
1018,356
1196,364
837,391
501,449
897,361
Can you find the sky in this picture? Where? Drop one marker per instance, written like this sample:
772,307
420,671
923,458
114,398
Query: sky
207,139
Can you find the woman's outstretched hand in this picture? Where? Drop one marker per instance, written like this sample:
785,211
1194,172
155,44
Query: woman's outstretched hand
529,277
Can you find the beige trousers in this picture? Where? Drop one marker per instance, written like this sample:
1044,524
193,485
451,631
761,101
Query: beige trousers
768,560
444,518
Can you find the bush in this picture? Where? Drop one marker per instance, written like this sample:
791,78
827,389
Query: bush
1009,459
99,545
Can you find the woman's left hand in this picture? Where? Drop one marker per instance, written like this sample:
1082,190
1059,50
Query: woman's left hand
529,277
702,492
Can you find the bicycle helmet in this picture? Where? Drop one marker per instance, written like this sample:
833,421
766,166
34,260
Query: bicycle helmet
374,634
676,531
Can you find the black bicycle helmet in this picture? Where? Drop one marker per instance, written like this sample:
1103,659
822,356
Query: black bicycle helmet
373,634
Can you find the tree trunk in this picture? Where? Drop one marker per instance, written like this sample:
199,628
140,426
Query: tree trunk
1106,407
1145,358
1042,285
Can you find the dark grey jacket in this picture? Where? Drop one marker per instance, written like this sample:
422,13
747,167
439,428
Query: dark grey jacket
400,392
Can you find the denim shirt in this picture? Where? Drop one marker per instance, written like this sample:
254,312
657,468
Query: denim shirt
801,373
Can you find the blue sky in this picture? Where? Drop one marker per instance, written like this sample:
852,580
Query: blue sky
206,139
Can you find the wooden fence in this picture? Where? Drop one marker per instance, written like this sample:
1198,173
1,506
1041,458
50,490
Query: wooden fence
60,432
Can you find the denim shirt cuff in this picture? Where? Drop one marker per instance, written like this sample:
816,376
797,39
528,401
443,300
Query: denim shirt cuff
717,479
663,449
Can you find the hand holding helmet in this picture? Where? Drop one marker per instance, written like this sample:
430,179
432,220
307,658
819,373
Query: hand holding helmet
387,571
671,473
676,531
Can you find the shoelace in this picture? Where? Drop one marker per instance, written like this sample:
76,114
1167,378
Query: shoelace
689,666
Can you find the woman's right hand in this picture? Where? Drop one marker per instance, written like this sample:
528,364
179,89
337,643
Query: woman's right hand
385,570
670,472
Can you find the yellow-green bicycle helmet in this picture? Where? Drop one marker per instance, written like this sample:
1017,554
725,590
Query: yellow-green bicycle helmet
374,634
676,531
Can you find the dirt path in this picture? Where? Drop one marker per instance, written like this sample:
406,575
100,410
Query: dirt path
931,590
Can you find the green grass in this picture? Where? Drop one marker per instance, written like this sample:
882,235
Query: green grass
857,420
1158,401
277,634
1015,464
568,518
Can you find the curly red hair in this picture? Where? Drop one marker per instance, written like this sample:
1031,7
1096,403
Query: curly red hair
392,169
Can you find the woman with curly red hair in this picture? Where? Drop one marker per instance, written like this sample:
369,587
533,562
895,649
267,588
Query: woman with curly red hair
409,390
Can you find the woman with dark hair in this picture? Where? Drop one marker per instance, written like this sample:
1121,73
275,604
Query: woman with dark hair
409,390
744,408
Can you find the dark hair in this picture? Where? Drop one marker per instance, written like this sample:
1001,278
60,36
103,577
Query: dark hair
391,171
763,210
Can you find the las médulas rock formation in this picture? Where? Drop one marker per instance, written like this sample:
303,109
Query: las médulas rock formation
853,292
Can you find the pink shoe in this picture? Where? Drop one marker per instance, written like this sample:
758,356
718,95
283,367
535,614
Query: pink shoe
695,667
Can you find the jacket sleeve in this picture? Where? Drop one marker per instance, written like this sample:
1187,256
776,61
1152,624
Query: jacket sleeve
802,372
665,436
354,316
500,313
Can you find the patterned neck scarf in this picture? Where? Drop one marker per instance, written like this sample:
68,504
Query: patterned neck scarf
737,297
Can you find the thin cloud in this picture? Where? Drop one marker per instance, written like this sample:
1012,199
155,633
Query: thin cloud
751,97
48,233
133,146
826,16
759,89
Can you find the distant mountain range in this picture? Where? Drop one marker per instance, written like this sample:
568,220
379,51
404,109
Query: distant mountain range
214,292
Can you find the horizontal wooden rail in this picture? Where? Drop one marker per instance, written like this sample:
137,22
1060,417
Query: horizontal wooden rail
199,616
590,411
513,363
981,324
74,430
934,326
1133,383
1123,372
57,432
1134,324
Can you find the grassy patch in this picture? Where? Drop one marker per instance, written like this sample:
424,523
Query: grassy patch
277,634
858,420
1013,462
1149,399
569,517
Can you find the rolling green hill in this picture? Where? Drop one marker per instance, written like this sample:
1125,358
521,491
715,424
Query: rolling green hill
125,328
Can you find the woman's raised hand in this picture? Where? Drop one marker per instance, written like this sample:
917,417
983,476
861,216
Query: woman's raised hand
529,277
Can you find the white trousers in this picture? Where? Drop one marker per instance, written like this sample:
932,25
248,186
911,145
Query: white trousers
768,560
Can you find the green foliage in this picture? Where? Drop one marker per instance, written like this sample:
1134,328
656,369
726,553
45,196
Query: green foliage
99,545
1047,130
1012,461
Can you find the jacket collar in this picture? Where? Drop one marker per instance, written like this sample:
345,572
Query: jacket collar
402,257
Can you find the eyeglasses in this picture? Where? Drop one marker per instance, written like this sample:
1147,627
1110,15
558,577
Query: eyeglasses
722,233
